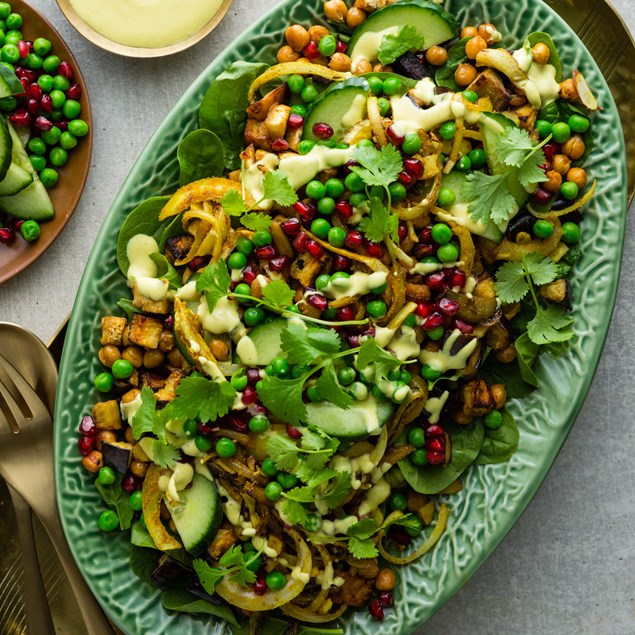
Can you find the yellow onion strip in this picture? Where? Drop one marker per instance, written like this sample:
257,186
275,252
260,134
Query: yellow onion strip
212,189
306,615
405,413
403,313
327,568
455,153
412,233
396,293
567,210
199,229
245,598
375,121
410,213
468,251
433,538
294,68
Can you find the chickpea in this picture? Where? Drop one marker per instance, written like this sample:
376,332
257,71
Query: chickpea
134,355
574,147
465,74
175,358
568,90
561,163
139,468
335,10
106,436
469,31
362,66
500,395
297,37
166,341
108,355
436,55
340,62
286,54
93,462
317,32
220,349
139,454
152,359
354,17
577,176
474,46
367,568
416,501
489,33
128,436
541,53
385,580
506,355
554,182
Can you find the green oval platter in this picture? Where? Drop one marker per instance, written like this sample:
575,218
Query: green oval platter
494,496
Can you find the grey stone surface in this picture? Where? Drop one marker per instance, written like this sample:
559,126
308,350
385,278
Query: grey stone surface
568,566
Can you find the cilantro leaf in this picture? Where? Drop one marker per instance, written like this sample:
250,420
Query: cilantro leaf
340,489
233,203
295,512
489,197
278,294
371,353
362,548
542,269
313,440
377,167
552,324
530,171
214,282
277,188
379,222
256,221
511,285
164,455
512,146
363,529
283,451
330,389
284,398
208,576
236,563
306,345
143,420
394,46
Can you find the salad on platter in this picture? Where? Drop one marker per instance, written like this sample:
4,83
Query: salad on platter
367,253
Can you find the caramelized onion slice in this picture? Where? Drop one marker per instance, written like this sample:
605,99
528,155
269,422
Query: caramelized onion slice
212,189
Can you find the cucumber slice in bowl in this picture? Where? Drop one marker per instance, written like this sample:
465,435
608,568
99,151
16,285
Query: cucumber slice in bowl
16,179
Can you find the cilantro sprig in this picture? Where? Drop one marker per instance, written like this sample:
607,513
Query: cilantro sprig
361,543
515,280
235,564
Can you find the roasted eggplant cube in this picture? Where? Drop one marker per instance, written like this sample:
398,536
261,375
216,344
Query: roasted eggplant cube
412,65
170,573
145,331
148,305
106,415
178,247
112,329
117,455
558,291
489,84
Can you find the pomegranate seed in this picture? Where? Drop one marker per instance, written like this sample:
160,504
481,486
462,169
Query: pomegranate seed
238,423
7,235
395,135
86,445
250,395
74,91
402,232
67,70
344,209
550,150
433,321
25,82
314,249
545,167
293,432
168,323
458,278
306,211
206,429
435,458
291,226
299,242
23,48
317,301
87,427
46,104
426,235
260,586
265,253
434,431
341,263
348,165
29,45
464,327
436,281
449,307
278,264
280,145
436,445
541,196
414,167
30,75
374,250
370,331
341,47
42,123
249,274
422,310
353,341
386,599
253,376
345,314
422,251
322,130
376,610
406,179
295,121
130,483
34,91
354,239
198,262
20,72
311,51
18,224
20,117
32,105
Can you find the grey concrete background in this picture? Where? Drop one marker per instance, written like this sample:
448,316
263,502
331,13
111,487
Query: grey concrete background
568,566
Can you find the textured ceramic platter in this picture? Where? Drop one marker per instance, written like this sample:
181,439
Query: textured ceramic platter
494,496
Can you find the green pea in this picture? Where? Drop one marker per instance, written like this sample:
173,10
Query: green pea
411,143
52,136
106,475
561,132
543,229
320,227
67,141
429,373
417,437
61,83
71,109
448,253
12,37
45,82
471,96
237,260
51,64
42,46
336,236
464,164
478,158
268,468
225,448
384,106
446,197
322,281
436,333
275,580
34,62
392,85
304,147
406,377
414,527
313,522
36,145
397,192
262,238
340,275
358,199
377,393
5,10
243,289
135,501
327,45
315,190
441,233
13,21
330,314
239,380
77,127
358,391
309,93
280,367
448,130
411,320
570,233
49,177
543,127
259,424
376,308
10,53
569,190
398,502
376,85
354,182
493,420
326,206
299,109
108,520
273,491
287,480
334,188
122,369
58,98
254,316
380,289
244,246
296,85
103,382
313,394
418,457
346,375
38,162
58,157
190,429
577,123
202,443
254,562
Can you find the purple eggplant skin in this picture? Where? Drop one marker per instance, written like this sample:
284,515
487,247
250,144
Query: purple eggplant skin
170,573
116,455
412,65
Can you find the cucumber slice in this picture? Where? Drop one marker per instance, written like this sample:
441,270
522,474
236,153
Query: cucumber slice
432,22
358,422
9,82
6,145
266,339
198,516
16,179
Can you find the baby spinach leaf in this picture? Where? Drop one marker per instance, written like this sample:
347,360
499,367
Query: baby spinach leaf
456,55
175,228
527,352
499,445
143,219
127,307
143,562
114,496
140,537
509,374
539,37
184,602
223,108
200,155
430,479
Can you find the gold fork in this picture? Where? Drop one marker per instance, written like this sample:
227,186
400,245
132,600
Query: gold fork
26,464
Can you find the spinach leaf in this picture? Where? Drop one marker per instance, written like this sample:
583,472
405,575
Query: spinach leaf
143,562
539,37
509,374
550,113
430,479
140,537
312,630
200,155
175,228
127,307
499,445
184,602
223,108
143,219
166,270
456,55
527,352
114,496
